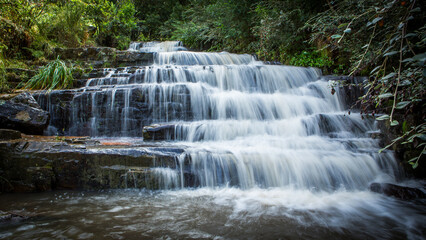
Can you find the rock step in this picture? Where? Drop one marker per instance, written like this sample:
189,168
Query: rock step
45,163
397,191
104,56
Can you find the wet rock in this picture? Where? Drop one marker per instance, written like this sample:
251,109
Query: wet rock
159,132
12,217
43,163
25,98
134,58
9,134
90,53
352,87
100,56
397,191
22,113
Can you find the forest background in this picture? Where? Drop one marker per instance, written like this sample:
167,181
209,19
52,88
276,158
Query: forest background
382,40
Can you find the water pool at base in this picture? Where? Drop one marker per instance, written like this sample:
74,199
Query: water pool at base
205,213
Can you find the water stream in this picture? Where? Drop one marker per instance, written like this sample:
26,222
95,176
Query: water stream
273,155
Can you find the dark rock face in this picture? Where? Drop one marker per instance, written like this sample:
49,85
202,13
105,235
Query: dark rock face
401,192
9,134
113,111
132,58
352,87
159,132
25,99
45,163
22,113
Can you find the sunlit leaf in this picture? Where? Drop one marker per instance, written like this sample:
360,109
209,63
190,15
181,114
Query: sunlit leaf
376,20
343,25
389,76
415,165
394,123
336,36
386,95
405,83
375,69
402,105
383,117
390,53
347,30
410,35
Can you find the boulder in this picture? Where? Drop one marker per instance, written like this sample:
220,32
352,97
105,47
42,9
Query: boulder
397,191
22,113
157,132
25,98
9,134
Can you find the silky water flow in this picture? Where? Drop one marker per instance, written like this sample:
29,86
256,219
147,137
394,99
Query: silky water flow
271,152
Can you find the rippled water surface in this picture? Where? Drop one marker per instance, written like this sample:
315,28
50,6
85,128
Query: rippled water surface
225,213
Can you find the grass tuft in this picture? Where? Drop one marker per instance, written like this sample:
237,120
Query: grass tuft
55,75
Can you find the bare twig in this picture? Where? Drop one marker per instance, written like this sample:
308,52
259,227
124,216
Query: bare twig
366,50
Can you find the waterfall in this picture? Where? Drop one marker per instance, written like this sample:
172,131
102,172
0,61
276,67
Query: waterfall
242,123
253,151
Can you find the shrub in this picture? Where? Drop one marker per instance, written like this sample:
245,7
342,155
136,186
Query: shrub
55,75
3,81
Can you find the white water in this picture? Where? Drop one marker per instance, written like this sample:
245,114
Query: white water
262,140
243,123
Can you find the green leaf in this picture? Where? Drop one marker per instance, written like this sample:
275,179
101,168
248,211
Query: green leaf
397,37
422,137
420,57
410,35
336,36
389,76
376,20
415,165
404,126
405,83
383,117
394,123
417,9
343,25
375,69
402,105
386,95
347,30
390,53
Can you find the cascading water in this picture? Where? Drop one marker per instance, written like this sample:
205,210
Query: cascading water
260,142
243,123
